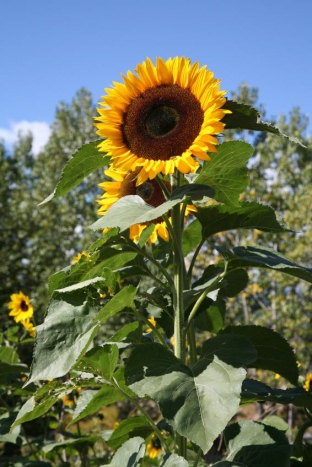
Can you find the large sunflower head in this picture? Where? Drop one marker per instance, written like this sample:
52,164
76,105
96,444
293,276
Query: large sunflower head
125,184
160,117
20,306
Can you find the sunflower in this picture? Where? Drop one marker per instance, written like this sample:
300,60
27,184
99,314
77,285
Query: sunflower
125,184
308,383
154,447
20,306
29,326
160,117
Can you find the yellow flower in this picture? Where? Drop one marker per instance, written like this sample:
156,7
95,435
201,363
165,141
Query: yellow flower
161,117
80,255
154,447
308,382
20,306
30,328
151,320
149,191
70,399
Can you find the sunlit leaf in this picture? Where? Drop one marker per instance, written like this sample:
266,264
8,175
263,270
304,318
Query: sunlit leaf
129,428
84,161
256,444
64,336
173,460
187,400
130,454
121,301
226,173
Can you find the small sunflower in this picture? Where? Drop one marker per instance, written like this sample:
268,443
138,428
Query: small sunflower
78,257
154,447
308,383
124,185
161,117
20,306
29,326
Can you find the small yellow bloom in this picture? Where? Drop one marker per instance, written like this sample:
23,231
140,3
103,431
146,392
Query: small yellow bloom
308,383
80,255
70,399
153,322
30,328
154,447
20,306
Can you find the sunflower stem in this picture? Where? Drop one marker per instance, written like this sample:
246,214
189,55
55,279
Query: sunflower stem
178,277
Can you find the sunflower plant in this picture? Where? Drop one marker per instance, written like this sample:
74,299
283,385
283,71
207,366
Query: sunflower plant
172,184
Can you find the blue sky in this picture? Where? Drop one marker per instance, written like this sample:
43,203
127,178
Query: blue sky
50,49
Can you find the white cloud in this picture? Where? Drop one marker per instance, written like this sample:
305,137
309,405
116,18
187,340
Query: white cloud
40,131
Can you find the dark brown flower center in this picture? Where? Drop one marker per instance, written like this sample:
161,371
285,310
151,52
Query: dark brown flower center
24,306
162,122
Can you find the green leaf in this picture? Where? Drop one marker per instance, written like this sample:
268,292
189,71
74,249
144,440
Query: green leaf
195,191
211,319
80,285
10,373
255,444
173,460
245,117
7,436
77,443
188,401
129,428
91,401
130,333
256,391
130,454
83,162
192,236
131,210
215,219
226,173
268,258
62,339
121,301
100,361
32,409
274,352
8,355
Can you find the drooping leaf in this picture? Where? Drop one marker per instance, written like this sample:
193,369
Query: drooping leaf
226,173
131,210
83,162
215,219
129,428
274,352
245,117
268,258
91,401
187,400
64,336
256,391
256,444
32,409
130,454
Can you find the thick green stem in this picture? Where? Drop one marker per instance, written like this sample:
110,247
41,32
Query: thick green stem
179,279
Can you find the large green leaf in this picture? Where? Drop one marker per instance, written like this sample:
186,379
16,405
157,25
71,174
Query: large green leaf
256,444
62,339
253,256
83,162
256,391
192,236
197,404
129,428
245,117
220,218
274,352
91,401
131,210
130,454
226,173
32,409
